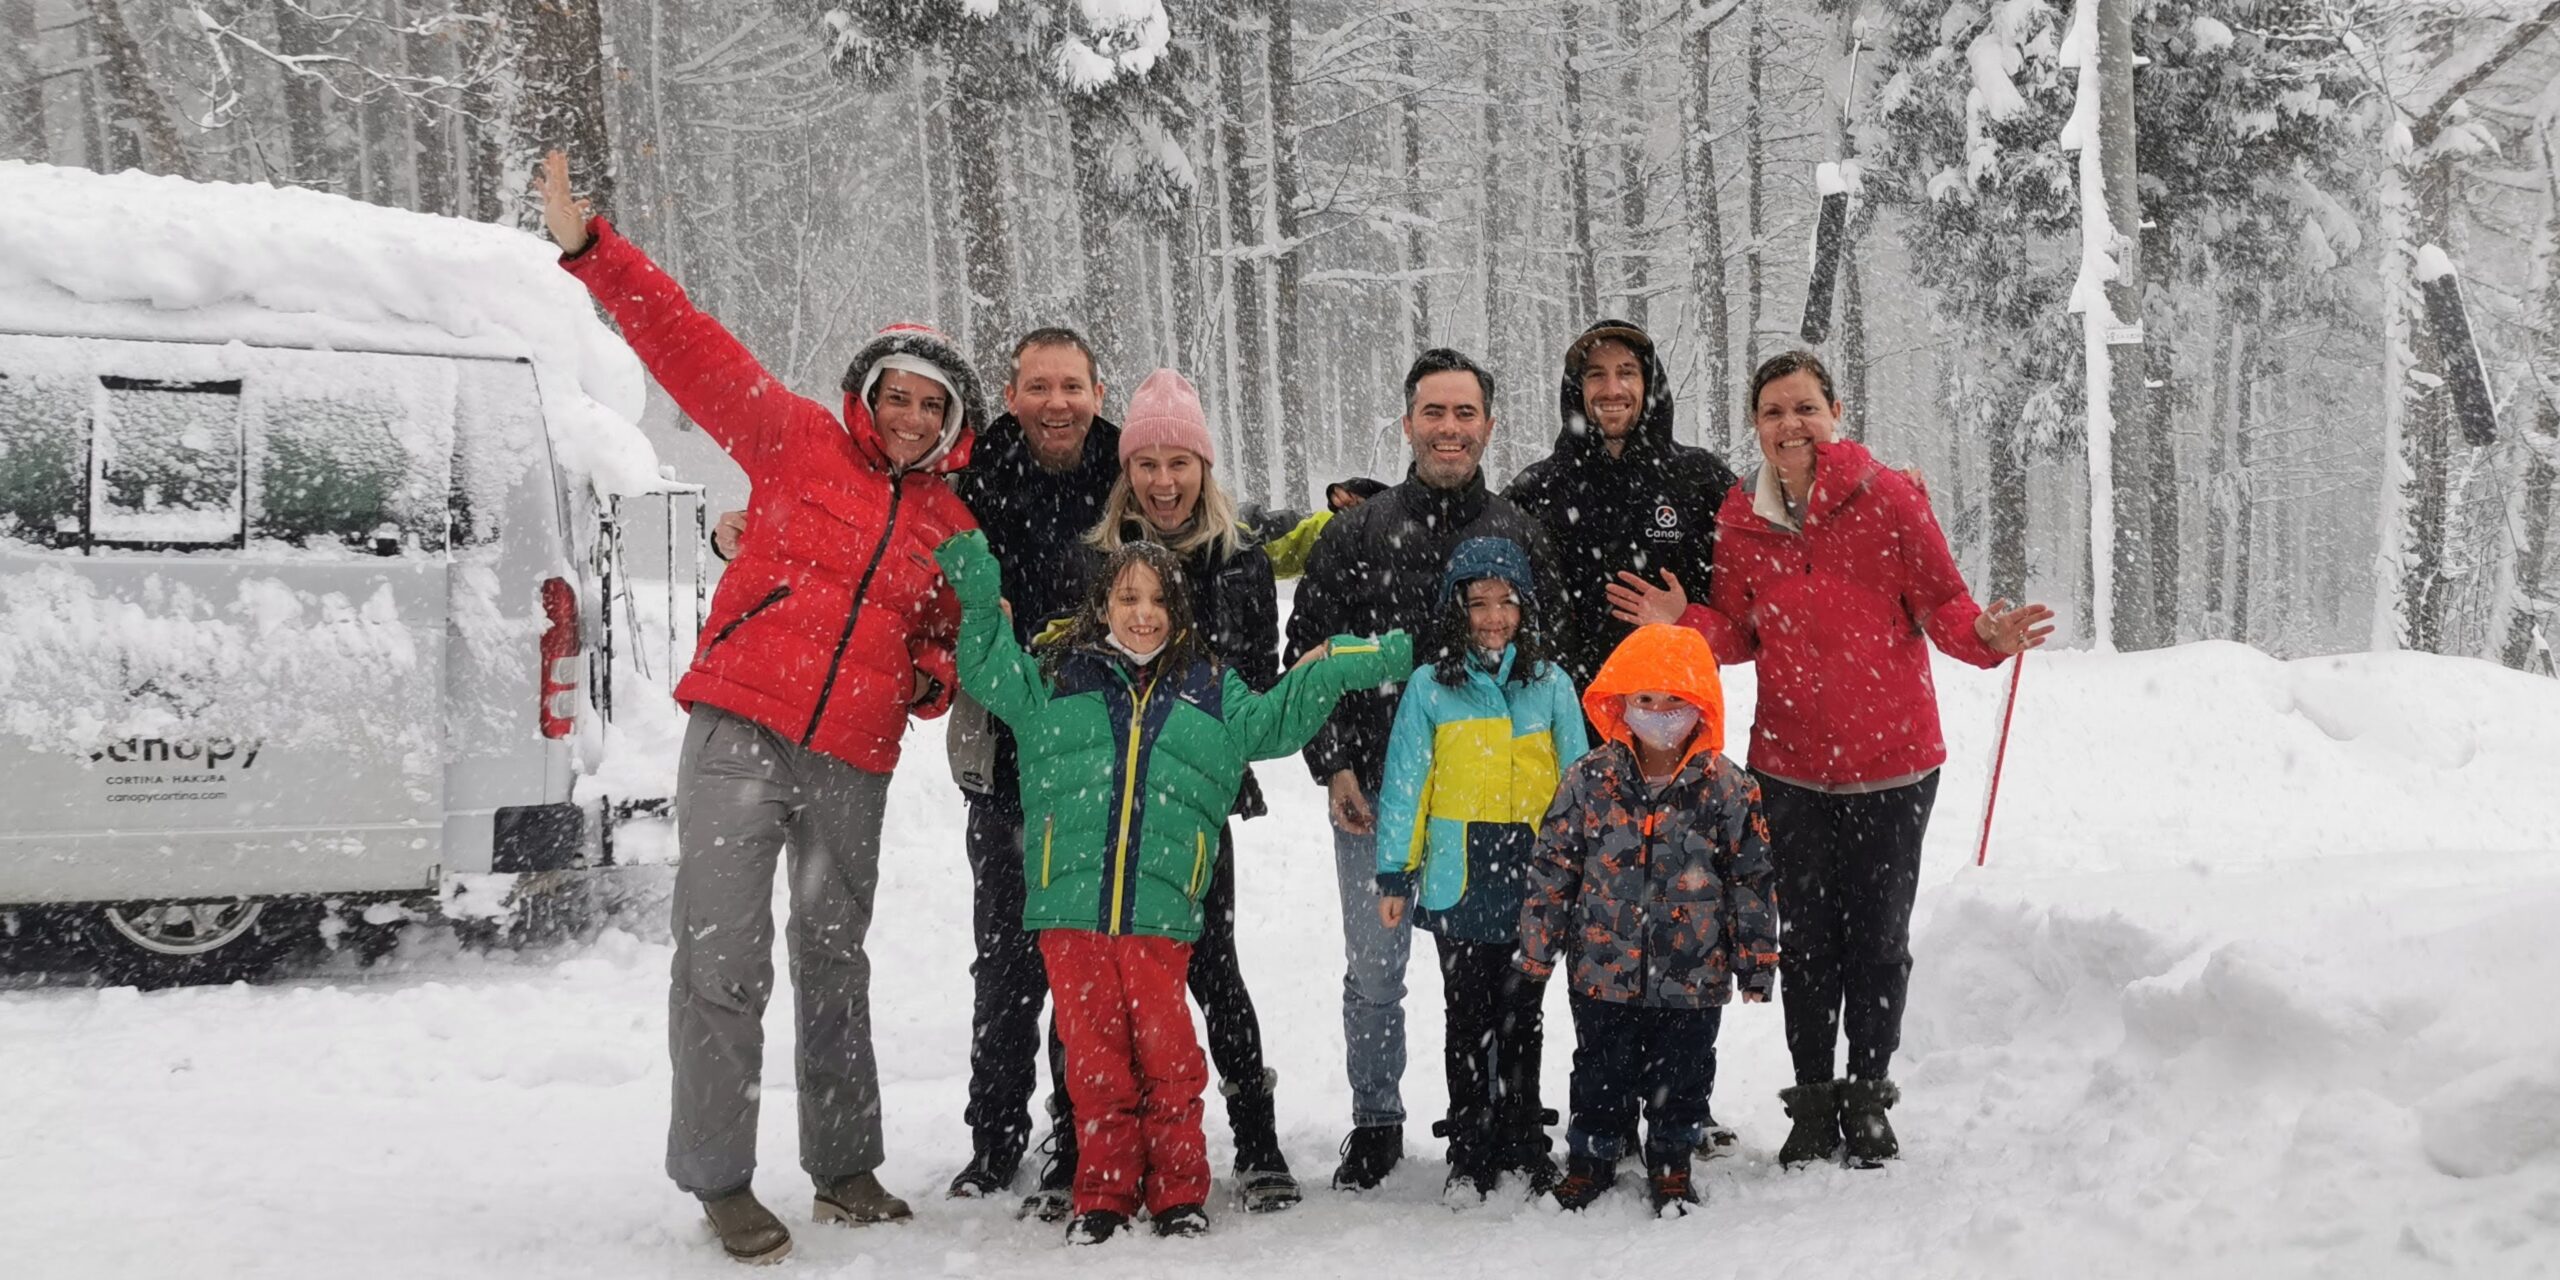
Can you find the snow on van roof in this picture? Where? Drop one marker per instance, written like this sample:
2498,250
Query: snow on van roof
136,255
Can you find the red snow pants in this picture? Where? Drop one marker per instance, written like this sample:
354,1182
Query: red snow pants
1134,1069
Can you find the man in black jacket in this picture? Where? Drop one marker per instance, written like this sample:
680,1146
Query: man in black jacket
1036,482
1378,567
1619,494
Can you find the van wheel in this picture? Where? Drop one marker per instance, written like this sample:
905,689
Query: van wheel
164,944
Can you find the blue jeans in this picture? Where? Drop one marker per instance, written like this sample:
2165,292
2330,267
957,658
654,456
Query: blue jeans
1626,1057
1374,959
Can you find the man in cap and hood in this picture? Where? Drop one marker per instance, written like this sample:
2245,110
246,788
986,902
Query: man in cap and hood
1619,494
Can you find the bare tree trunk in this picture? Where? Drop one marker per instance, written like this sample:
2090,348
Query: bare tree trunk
1577,174
487,126
1501,310
1722,420
2222,413
2426,443
560,55
309,148
140,133
1248,371
2256,367
1288,322
1756,166
1852,327
2005,502
1638,244
22,117
431,127
1110,265
1417,253
976,114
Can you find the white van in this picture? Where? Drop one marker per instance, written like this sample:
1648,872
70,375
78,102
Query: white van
285,619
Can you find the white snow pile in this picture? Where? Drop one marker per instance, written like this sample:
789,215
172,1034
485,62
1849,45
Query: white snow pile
2256,983
135,255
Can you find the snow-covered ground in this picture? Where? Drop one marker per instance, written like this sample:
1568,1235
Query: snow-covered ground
2258,982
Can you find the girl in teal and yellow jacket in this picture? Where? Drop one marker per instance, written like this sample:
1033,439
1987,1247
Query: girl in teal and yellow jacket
1481,737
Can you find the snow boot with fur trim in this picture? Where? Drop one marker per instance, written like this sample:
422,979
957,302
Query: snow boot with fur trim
1868,1134
1815,1109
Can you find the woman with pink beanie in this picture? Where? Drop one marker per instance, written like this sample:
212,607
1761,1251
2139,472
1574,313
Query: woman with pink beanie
1168,493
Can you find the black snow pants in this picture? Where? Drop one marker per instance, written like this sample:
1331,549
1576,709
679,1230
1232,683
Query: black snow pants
1848,869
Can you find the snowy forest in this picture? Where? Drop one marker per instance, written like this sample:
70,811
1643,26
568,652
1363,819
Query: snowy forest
1289,198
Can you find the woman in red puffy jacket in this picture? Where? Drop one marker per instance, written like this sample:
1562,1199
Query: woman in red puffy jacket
1831,571
829,629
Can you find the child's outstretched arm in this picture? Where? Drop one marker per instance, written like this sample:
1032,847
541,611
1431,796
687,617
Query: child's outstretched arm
1750,878
1407,793
1572,735
1280,722
992,666
1555,882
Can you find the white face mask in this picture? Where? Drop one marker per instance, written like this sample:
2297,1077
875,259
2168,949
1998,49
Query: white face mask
1133,655
1663,729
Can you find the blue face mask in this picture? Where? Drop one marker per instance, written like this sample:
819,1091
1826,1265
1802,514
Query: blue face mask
1663,729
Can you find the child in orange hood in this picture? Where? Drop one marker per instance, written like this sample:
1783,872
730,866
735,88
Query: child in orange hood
1651,885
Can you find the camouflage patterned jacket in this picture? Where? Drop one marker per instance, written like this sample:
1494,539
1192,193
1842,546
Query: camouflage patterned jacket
1655,896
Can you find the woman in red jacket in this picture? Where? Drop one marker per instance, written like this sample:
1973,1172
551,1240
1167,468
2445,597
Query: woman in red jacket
829,629
1831,571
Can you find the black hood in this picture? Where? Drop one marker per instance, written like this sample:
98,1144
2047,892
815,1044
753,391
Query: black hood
1578,438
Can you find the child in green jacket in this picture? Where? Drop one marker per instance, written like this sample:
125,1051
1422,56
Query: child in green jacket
1133,741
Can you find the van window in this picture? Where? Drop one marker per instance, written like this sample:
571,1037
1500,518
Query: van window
44,457
168,463
332,471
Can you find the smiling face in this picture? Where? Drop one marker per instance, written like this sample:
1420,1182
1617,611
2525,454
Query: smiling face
1135,610
1054,396
1793,416
1166,481
1447,425
1612,388
909,410
1493,614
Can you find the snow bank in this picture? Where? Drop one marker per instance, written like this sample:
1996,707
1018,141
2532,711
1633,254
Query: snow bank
2256,984
144,256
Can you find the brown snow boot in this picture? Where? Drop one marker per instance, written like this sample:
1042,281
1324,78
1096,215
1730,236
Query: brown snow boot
858,1200
748,1231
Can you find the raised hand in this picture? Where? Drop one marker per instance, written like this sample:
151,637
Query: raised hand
564,215
1639,602
2013,631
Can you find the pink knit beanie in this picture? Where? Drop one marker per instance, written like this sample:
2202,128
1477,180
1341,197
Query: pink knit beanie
1166,410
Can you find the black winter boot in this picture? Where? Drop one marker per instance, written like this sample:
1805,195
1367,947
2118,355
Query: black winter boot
1263,1181
1815,1109
1862,1124
1056,1196
1094,1226
1717,1141
1673,1193
1368,1156
1586,1179
988,1173
1524,1146
1474,1164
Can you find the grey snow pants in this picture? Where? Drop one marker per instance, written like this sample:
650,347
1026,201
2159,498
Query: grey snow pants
745,792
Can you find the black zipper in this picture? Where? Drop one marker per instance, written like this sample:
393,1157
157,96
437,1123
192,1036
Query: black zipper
771,598
853,610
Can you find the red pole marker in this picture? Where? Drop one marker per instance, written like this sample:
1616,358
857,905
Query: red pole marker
1999,754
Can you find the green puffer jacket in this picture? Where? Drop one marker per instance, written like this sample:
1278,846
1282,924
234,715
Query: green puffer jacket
1127,771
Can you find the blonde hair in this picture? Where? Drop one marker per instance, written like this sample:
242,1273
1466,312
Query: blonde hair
1213,520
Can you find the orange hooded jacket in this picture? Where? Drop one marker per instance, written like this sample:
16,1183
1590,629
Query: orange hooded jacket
1654,895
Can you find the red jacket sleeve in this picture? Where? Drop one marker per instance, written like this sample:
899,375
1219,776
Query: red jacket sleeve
1724,617
1936,596
706,370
